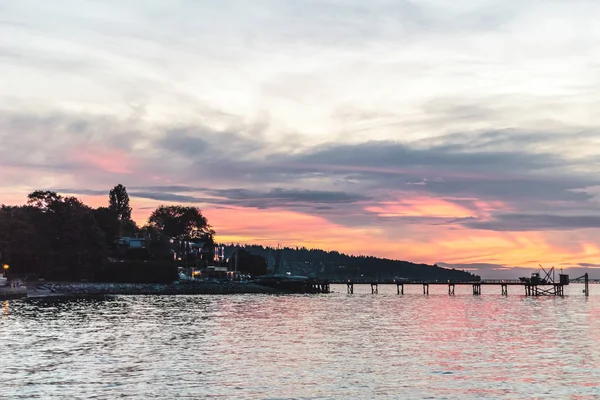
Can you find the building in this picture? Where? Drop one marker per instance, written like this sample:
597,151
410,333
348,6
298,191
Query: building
136,248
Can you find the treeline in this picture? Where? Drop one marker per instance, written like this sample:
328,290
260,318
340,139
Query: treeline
60,238
336,265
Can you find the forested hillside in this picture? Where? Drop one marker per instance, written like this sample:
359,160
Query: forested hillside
335,265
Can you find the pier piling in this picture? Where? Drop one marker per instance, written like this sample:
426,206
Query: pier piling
451,289
400,287
374,288
426,288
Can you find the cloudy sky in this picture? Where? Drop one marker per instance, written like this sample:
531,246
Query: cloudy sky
463,132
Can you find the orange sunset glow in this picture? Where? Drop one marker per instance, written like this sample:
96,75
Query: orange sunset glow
426,242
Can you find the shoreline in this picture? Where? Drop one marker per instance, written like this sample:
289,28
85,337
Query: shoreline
81,289
9,293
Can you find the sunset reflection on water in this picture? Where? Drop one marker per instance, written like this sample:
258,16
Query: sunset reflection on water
328,346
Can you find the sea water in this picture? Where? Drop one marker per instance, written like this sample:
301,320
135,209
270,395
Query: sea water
334,346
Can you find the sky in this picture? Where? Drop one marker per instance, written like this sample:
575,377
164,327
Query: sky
459,133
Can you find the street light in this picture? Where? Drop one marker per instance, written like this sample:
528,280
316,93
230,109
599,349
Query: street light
6,267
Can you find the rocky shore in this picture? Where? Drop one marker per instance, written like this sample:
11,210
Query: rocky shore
7,293
55,289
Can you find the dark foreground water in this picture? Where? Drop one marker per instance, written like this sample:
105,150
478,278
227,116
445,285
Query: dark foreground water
334,346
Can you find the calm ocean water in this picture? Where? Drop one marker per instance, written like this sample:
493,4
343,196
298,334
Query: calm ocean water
336,346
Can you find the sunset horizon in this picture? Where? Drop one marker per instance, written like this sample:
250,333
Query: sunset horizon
270,228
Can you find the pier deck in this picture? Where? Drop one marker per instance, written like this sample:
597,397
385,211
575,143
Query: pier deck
531,288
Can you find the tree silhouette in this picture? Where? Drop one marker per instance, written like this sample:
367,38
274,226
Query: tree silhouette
43,199
70,245
181,222
248,263
109,224
118,202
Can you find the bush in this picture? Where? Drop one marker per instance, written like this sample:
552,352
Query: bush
131,271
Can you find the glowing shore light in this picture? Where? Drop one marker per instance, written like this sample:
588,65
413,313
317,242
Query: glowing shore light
6,266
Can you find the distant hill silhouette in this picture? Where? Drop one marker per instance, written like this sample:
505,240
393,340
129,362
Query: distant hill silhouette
335,265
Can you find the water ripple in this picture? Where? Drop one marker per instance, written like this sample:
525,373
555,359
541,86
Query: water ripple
334,346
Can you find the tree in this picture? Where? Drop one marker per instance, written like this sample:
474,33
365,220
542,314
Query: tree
118,202
69,230
80,246
149,231
181,222
129,228
108,222
43,199
20,243
248,263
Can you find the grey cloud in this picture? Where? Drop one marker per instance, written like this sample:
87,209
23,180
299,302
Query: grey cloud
199,142
170,188
276,197
52,142
294,195
511,190
152,195
537,142
449,171
391,165
464,168
535,222
85,192
44,139
324,208
390,155
172,197
181,142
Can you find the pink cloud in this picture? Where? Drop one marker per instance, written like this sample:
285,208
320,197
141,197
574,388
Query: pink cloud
107,159
420,207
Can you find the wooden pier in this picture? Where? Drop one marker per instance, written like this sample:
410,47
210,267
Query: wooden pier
320,286
531,288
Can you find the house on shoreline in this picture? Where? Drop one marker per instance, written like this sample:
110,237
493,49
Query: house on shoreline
145,248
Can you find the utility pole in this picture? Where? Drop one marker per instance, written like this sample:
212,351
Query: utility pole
236,258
